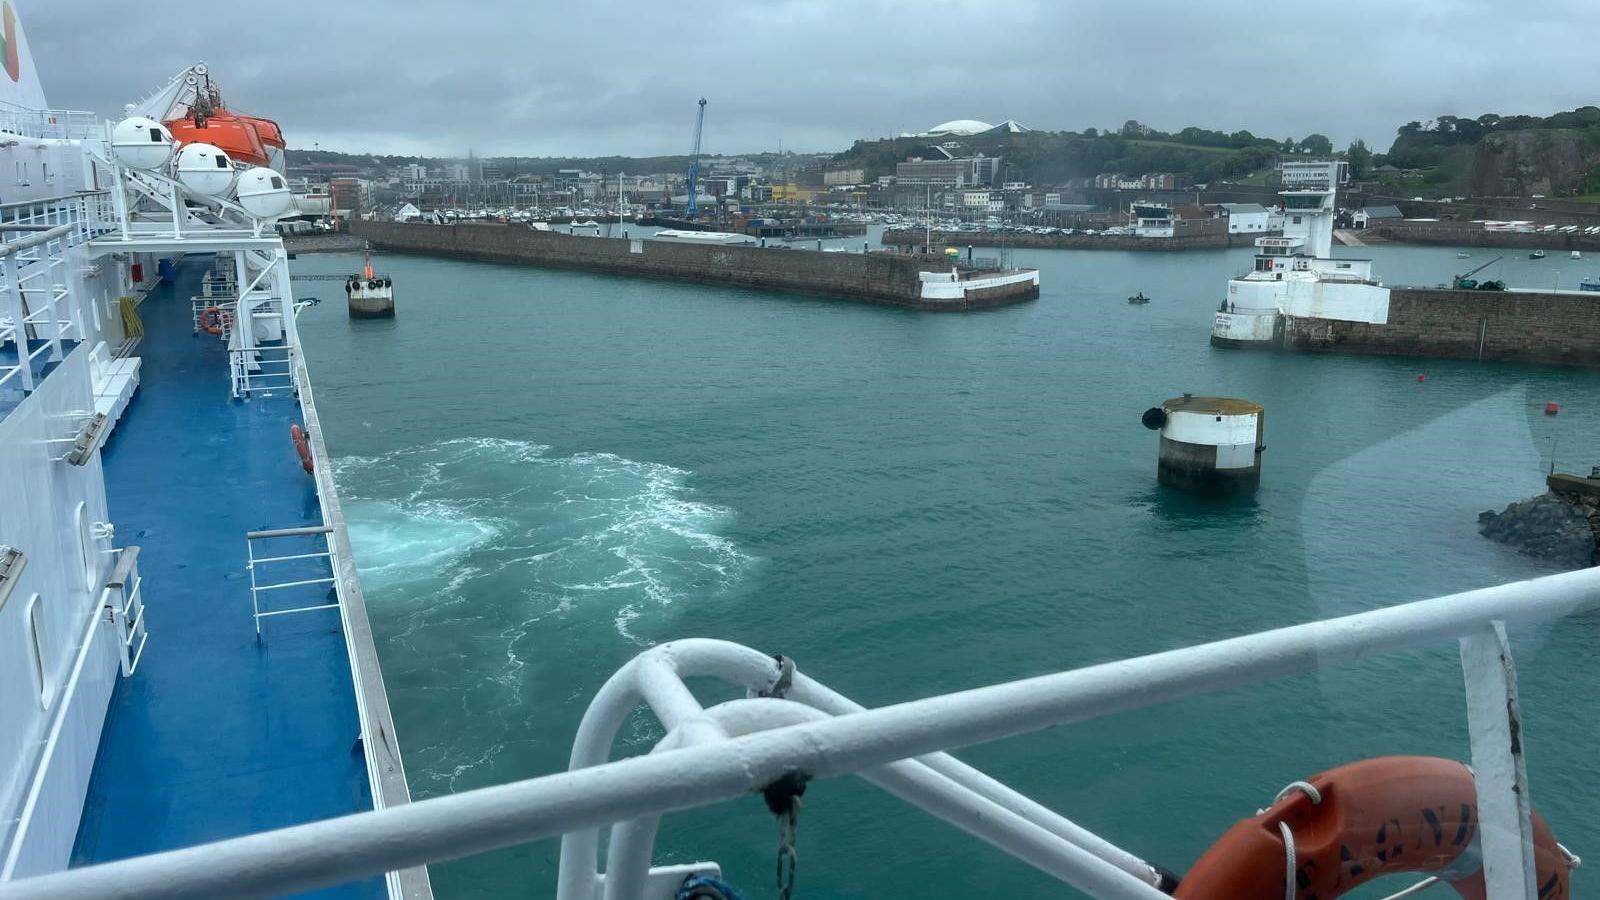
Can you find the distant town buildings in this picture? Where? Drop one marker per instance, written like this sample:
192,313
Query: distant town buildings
1245,218
1150,181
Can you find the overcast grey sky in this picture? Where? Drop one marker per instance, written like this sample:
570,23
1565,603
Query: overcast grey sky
595,77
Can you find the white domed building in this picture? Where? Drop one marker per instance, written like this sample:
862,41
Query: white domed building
969,128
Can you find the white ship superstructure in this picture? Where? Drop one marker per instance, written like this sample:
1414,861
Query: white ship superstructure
249,697
1296,275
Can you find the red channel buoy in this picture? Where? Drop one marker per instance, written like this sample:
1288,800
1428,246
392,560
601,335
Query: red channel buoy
1551,409
1421,377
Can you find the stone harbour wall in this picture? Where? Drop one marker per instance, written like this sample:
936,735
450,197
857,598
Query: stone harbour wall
1491,325
887,278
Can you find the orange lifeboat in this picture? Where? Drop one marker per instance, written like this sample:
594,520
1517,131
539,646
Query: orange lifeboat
1360,821
266,129
235,135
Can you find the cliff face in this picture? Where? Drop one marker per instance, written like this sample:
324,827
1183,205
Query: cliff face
1519,163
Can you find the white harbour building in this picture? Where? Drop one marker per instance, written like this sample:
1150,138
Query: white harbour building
1296,276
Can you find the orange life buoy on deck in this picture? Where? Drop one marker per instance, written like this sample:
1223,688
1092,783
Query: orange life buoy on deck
1370,818
302,446
211,320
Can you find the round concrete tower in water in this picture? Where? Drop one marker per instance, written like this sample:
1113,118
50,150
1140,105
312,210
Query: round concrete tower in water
1209,444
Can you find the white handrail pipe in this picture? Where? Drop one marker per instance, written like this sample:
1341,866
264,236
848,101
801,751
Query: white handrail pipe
334,851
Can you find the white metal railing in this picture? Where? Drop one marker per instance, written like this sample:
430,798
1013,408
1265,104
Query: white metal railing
262,370
35,304
257,588
61,124
379,747
124,605
795,725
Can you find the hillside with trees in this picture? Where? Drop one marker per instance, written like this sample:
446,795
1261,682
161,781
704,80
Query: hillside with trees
1052,157
1495,155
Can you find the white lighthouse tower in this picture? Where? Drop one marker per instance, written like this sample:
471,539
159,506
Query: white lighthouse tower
1296,275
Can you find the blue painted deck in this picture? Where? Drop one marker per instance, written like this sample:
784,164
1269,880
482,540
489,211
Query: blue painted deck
217,735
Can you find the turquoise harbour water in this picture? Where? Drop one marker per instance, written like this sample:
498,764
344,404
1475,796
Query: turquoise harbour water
546,472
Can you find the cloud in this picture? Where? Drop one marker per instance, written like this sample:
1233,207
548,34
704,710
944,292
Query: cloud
622,77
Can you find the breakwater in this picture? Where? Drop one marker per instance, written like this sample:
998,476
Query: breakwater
1525,326
909,280
1561,525
1201,240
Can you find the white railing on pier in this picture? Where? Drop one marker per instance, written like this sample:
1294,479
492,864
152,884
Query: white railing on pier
793,725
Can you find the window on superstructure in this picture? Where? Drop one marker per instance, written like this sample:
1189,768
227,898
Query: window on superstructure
39,642
44,169
86,547
22,172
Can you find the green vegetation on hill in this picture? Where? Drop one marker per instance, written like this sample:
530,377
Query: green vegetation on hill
1501,155
1052,157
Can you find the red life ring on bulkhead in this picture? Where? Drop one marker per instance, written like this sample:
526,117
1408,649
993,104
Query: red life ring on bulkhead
302,446
211,320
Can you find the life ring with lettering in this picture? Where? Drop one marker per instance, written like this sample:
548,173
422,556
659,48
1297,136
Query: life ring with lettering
302,446
1358,822
211,320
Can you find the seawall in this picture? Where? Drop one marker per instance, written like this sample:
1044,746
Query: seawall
1562,328
1201,240
886,278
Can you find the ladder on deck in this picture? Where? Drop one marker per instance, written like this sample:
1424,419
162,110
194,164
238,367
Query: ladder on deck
257,588
125,607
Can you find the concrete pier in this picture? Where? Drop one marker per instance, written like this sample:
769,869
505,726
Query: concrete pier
1525,326
915,281
1209,445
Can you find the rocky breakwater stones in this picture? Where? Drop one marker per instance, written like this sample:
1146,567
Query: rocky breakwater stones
1553,527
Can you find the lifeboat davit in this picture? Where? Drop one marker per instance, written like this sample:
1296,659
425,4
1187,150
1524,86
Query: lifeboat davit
238,136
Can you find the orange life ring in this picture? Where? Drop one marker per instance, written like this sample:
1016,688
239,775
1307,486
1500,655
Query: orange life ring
1375,817
211,320
302,446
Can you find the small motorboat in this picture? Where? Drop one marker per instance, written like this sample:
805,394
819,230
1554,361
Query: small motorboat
1463,255
1537,254
1576,255
1139,299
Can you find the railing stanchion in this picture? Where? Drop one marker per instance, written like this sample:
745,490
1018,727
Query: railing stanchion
1494,722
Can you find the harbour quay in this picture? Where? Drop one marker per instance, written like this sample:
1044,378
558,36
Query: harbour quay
1561,327
914,281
